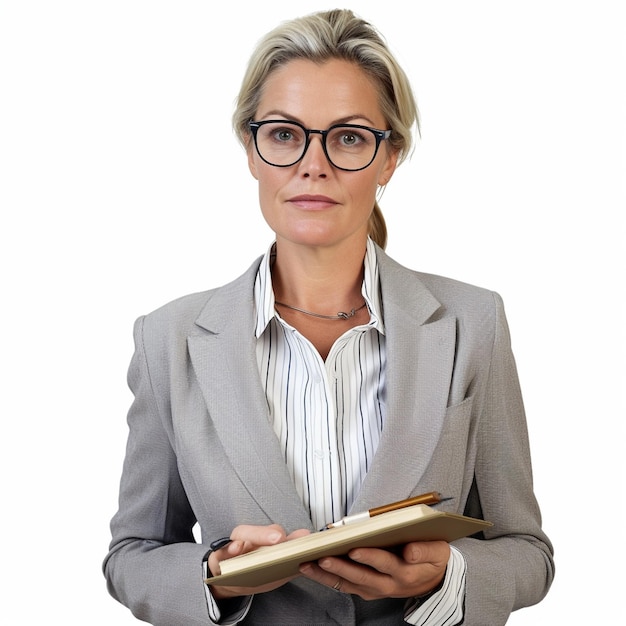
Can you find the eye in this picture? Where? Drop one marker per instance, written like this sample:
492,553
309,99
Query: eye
283,134
349,139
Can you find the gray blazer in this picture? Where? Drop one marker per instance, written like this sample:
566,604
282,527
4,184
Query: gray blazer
201,448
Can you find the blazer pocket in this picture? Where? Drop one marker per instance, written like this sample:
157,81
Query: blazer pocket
447,466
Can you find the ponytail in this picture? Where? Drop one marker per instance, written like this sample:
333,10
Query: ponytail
378,227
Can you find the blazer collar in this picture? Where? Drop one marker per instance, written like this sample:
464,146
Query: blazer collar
233,302
420,352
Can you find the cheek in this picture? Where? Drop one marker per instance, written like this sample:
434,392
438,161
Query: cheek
364,189
270,182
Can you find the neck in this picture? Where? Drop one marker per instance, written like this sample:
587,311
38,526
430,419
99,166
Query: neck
321,280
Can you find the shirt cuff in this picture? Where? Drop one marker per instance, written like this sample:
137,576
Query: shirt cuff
215,614
445,606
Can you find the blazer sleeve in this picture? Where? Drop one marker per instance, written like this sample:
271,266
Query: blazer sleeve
512,566
154,565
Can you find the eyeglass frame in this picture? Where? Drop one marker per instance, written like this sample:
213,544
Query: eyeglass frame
379,135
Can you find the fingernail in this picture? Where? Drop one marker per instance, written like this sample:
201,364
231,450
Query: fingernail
274,537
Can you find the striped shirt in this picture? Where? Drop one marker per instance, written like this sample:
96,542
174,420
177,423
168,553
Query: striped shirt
327,415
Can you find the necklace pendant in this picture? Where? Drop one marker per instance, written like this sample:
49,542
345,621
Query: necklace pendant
346,316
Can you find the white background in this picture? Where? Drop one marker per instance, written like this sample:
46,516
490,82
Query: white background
122,187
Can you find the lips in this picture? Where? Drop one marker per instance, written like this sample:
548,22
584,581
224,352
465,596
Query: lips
306,201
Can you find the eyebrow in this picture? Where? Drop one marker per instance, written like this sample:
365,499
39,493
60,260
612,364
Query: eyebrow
342,120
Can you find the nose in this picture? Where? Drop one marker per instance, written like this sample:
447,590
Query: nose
314,162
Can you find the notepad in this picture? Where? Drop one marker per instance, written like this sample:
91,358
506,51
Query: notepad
394,528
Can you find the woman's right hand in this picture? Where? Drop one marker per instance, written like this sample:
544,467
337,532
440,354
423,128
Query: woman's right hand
245,539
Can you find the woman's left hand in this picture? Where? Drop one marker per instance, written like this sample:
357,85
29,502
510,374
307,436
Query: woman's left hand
373,573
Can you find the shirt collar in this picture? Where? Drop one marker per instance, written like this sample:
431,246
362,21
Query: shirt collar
264,293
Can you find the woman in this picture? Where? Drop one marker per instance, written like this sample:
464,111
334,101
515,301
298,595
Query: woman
327,379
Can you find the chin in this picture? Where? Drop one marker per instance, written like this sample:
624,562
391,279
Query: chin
308,234
311,240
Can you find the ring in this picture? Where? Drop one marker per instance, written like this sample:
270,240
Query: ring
337,585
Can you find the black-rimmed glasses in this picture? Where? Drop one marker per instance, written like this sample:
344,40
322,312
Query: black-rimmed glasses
349,147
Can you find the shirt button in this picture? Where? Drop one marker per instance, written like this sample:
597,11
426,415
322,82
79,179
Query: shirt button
319,454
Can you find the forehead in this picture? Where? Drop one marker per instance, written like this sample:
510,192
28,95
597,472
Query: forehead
321,93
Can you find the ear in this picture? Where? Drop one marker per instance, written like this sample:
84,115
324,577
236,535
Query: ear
388,168
251,152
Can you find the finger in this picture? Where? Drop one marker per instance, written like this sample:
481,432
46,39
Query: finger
373,573
381,560
434,552
332,580
234,548
255,536
245,538
356,578
298,533
222,592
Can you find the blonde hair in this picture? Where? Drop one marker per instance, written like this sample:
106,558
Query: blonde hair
319,37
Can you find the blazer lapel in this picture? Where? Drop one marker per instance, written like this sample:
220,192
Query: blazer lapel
420,357
224,359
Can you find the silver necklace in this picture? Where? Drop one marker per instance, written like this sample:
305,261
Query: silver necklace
341,315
